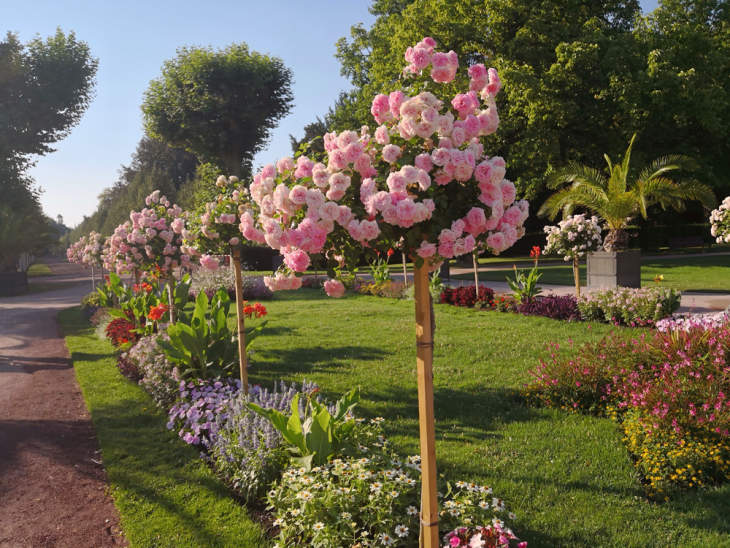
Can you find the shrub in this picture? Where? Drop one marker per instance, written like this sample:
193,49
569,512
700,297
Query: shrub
388,288
128,368
694,321
211,281
160,378
466,295
246,450
669,390
627,306
558,307
90,303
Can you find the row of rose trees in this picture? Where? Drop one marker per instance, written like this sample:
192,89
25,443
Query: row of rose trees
420,182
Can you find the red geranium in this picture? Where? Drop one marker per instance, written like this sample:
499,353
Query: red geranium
256,310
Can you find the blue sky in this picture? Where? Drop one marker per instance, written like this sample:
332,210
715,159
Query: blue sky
132,38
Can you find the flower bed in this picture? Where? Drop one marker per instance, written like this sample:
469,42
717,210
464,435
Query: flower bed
466,296
627,306
667,389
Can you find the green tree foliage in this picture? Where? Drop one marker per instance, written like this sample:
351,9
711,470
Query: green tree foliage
621,193
45,87
580,77
219,105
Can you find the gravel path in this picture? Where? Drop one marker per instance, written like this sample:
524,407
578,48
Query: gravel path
53,490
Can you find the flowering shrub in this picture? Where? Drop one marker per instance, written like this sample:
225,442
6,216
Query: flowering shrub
371,499
420,181
201,405
160,378
210,281
671,385
694,321
87,250
466,296
720,222
627,306
246,449
557,307
120,331
573,237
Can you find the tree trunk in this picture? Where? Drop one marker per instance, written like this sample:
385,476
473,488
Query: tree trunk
171,298
236,258
93,280
576,276
616,240
405,272
429,533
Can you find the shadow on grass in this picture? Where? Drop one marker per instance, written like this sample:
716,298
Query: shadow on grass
306,359
150,463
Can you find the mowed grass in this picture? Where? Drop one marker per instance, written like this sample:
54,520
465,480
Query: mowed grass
568,477
165,494
694,272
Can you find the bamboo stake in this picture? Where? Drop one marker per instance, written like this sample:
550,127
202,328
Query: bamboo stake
93,280
476,273
236,258
576,276
405,272
171,297
429,532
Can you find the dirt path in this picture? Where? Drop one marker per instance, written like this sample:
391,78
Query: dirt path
53,490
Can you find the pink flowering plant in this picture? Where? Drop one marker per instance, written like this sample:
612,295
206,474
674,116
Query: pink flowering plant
720,222
217,231
419,181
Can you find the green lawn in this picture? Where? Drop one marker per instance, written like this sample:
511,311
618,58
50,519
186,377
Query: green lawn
568,477
708,272
39,269
166,495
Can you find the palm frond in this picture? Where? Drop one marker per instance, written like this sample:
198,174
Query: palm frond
575,173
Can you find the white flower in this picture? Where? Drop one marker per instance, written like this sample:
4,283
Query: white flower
346,515
412,510
401,530
318,526
386,539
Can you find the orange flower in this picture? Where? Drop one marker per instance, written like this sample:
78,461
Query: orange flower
156,312
390,252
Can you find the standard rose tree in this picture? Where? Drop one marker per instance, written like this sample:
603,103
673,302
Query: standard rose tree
152,241
88,251
573,238
419,181
217,232
720,222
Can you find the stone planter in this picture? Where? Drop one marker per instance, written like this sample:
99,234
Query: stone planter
614,269
13,283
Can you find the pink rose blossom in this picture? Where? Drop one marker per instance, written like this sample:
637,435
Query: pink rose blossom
334,288
208,262
297,260
391,153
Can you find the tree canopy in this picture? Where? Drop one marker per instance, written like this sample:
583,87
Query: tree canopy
219,105
45,88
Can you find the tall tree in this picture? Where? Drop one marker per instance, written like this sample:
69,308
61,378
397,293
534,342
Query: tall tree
219,105
45,87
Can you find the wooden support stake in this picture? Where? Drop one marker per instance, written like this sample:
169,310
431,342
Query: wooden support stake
576,276
429,537
405,272
236,258
476,273
171,297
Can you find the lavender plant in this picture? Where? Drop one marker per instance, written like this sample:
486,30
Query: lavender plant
246,449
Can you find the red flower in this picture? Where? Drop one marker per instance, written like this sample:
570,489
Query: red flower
156,312
535,252
256,311
390,252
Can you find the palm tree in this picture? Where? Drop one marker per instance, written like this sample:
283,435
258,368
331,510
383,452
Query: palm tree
617,197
